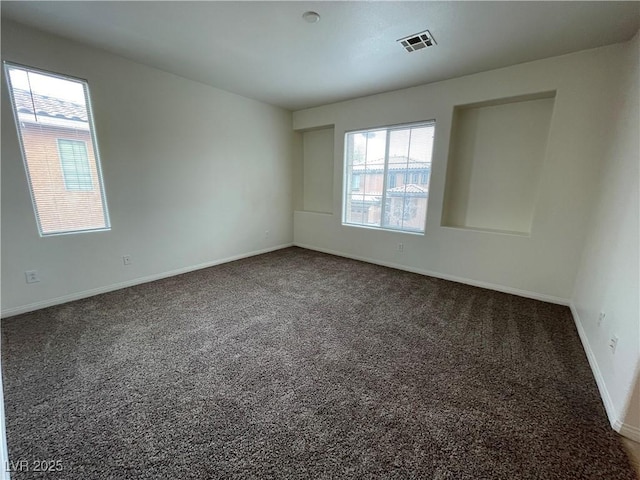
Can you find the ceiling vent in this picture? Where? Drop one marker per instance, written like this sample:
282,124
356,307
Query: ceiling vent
418,41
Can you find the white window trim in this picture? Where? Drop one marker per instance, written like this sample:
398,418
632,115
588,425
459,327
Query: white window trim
345,175
94,140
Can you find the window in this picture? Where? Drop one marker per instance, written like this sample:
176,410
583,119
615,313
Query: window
59,150
75,165
378,157
356,182
392,180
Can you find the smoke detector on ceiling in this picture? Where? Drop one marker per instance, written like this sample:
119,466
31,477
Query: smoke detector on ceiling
311,17
417,41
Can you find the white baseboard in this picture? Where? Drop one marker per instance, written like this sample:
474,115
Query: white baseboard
627,430
618,425
4,454
602,387
130,283
622,428
453,278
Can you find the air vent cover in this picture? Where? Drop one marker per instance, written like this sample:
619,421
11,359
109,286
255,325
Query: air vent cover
418,41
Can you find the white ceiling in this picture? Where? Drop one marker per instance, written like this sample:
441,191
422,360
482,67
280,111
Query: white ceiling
264,50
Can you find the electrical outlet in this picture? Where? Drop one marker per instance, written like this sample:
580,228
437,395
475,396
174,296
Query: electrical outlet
613,343
601,318
126,260
32,276
401,247
266,234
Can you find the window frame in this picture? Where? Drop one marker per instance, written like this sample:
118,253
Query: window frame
6,66
385,177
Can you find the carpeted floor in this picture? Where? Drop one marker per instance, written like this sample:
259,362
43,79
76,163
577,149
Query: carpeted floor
297,364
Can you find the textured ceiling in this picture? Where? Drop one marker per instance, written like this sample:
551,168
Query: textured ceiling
264,50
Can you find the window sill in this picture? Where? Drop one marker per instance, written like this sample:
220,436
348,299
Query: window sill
383,229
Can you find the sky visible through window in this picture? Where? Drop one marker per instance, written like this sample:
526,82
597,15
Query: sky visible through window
49,86
374,144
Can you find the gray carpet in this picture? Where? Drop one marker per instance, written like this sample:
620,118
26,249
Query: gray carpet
297,364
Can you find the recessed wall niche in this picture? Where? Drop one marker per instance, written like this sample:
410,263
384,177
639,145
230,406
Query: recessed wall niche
496,155
317,167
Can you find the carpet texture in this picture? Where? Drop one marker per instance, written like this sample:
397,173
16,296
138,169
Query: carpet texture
301,365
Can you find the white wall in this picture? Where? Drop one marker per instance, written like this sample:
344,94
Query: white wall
317,160
542,265
193,175
495,159
608,278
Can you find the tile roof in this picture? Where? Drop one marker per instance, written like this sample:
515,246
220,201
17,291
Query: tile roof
48,106
409,188
395,163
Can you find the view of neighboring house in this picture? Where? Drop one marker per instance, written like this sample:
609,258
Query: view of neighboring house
405,197
61,162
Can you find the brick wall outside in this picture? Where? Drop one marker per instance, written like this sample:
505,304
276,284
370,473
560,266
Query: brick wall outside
58,208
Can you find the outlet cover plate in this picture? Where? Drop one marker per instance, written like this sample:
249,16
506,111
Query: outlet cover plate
613,343
32,276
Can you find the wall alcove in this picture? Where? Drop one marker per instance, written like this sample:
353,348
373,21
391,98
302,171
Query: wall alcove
496,155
